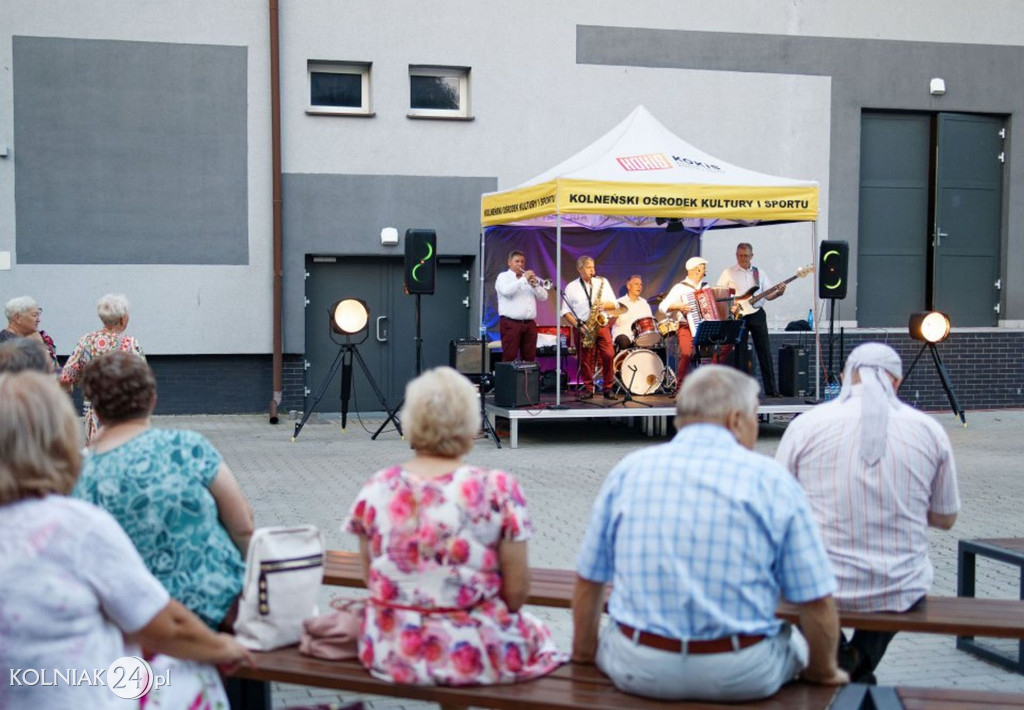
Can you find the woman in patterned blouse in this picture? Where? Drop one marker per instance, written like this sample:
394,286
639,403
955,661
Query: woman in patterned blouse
170,490
113,312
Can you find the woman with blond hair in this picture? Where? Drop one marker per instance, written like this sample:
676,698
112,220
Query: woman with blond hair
76,594
113,312
443,545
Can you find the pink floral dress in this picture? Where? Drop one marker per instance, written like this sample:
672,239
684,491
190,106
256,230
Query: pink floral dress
435,616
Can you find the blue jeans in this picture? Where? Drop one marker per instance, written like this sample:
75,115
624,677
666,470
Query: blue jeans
754,672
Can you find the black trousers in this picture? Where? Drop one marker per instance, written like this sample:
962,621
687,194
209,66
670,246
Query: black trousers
757,327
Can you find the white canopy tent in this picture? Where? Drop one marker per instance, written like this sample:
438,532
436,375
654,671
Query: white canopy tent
640,174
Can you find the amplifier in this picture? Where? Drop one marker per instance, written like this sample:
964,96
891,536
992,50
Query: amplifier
464,356
794,380
516,384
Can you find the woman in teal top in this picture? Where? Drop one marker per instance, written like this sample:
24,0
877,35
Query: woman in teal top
170,490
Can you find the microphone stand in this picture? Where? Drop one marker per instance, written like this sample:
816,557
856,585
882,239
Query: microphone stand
579,350
627,395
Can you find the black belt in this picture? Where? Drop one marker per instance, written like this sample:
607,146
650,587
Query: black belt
722,645
519,320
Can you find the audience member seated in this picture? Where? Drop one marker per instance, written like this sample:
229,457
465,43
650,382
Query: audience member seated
75,593
23,317
878,473
170,490
699,537
113,312
20,354
443,546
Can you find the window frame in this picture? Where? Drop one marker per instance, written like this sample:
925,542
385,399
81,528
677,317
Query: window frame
362,69
463,113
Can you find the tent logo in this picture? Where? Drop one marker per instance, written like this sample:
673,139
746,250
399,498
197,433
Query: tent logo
651,161
690,163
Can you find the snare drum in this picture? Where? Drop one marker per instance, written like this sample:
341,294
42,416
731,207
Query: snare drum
645,332
639,371
668,326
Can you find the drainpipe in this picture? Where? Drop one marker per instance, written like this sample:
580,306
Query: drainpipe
275,131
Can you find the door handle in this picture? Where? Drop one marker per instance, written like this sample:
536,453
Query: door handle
382,338
939,234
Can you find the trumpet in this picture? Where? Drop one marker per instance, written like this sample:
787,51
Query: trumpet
543,283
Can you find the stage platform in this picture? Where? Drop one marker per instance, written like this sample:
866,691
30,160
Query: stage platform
654,419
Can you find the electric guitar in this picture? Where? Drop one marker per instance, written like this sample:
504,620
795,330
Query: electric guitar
745,303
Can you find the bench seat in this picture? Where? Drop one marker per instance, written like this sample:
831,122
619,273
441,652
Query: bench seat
956,616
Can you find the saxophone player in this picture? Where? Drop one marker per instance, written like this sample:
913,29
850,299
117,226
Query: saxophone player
589,302
518,291
675,304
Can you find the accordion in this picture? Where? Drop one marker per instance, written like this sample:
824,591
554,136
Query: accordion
710,303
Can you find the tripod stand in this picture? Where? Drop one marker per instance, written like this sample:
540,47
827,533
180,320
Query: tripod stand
485,423
627,390
346,353
943,377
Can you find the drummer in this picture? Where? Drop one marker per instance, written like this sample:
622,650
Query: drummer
636,308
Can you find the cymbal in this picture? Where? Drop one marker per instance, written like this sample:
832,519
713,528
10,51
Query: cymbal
657,298
617,311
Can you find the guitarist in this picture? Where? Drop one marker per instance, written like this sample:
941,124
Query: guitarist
741,277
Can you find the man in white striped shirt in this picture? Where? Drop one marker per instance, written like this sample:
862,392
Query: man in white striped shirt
877,473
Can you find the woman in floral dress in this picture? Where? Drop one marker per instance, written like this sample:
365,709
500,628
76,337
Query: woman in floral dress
113,312
443,545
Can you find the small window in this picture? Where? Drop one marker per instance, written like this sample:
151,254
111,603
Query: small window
339,88
438,92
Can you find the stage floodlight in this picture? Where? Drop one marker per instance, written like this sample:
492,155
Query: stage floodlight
929,326
349,316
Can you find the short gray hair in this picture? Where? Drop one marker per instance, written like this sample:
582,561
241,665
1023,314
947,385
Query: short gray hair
19,305
441,414
112,308
583,260
20,354
710,393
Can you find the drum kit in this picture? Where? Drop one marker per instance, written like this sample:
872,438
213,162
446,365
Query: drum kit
640,369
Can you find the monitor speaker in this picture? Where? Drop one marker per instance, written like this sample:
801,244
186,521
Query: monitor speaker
465,355
516,384
794,378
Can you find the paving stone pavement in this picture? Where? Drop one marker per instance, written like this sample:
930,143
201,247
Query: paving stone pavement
561,466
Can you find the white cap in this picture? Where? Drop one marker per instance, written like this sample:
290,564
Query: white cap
694,261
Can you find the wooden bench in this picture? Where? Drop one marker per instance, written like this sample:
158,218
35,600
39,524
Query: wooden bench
579,686
956,616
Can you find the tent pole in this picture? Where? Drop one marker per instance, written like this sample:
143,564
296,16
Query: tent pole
558,311
817,320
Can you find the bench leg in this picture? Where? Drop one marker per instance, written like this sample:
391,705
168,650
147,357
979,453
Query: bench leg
244,694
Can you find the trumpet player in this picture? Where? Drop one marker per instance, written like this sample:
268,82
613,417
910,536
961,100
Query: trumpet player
589,302
518,290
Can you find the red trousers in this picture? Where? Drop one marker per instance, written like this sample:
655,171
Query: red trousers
603,348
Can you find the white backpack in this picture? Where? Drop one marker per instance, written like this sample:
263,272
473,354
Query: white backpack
283,576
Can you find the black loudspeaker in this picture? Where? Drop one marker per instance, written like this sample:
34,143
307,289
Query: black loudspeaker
794,378
516,384
420,260
547,381
833,262
464,356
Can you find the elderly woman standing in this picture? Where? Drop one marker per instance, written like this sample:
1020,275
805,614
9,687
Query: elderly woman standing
74,592
443,545
113,312
170,490
23,316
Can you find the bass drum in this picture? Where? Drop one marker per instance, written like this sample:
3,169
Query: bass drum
639,371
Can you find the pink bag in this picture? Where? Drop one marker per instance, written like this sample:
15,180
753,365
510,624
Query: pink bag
333,636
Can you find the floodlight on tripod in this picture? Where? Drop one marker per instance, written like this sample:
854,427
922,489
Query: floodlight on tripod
932,327
348,317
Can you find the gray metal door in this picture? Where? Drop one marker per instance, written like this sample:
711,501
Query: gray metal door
968,218
389,351
895,186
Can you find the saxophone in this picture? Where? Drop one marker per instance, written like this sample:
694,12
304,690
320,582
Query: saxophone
597,320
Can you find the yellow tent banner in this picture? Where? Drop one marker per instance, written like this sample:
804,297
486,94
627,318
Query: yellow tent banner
727,202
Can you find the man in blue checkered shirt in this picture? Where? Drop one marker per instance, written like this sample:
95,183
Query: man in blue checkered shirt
699,537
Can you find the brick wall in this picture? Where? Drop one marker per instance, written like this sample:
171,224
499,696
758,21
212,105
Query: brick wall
986,369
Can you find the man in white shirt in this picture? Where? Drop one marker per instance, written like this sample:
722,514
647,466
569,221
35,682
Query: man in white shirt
582,296
676,304
877,473
518,292
636,307
741,277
